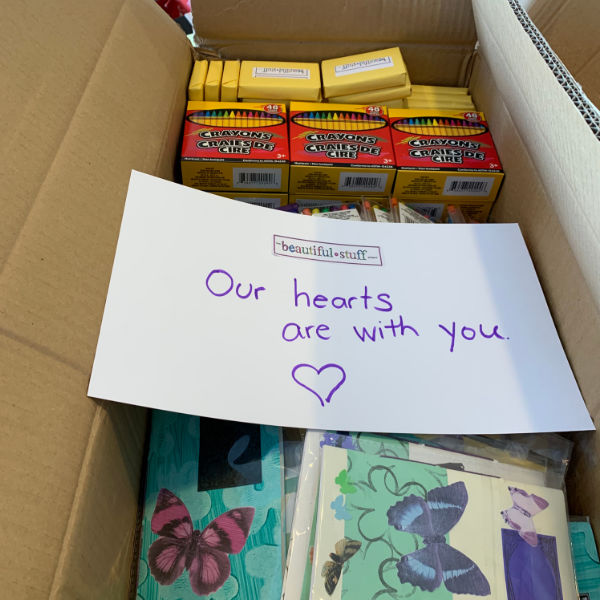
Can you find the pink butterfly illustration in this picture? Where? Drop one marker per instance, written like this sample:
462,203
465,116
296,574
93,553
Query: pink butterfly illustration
520,515
202,553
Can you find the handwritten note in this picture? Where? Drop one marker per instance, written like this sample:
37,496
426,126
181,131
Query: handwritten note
233,311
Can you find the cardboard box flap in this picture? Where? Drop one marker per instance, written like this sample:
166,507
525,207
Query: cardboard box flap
87,98
562,144
56,269
314,30
571,28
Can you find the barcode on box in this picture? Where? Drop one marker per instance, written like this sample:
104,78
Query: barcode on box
280,73
433,212
351,182
256,178
468,186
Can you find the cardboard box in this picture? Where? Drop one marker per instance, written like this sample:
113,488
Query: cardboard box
235,146
112,79
340,149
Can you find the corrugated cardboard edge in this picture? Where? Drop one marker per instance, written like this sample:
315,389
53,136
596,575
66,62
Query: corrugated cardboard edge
586,107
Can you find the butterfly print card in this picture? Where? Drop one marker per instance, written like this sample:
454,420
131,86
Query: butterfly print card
212,523
393,528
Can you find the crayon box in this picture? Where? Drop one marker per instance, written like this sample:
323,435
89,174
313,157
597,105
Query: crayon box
234,146
340,149
445,156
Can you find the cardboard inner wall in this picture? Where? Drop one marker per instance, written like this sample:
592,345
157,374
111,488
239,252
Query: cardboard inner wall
437,37
110,97
571,28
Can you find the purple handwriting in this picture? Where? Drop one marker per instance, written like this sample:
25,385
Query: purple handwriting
220,283
292,332
381,331
331,381
306,300
469,334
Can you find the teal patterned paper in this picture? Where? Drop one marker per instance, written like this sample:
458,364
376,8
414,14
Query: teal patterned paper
585,556
173,461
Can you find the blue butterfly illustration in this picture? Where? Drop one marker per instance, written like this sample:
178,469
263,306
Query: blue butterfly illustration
340,510
437,562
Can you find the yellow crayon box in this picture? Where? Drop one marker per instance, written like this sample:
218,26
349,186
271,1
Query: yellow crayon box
436,90
230,80
197,80
340,149
456,102
280,80
259,199
374,96
444,155
212,86
363,72
235,146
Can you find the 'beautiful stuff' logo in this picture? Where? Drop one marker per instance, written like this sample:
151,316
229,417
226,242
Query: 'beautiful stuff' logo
327,251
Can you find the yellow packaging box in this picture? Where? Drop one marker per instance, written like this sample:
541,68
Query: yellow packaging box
442,102
363,72
197,80
234,146
439,89
212,86
374,96
229,81
280,80
396,103
267,200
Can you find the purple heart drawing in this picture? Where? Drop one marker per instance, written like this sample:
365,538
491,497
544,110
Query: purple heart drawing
342,378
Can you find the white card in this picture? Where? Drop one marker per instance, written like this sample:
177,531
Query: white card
239,312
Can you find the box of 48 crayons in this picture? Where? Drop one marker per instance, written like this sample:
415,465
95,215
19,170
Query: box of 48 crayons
444,156
234,146
340,149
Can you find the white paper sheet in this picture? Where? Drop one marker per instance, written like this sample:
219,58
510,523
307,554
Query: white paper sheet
362,327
